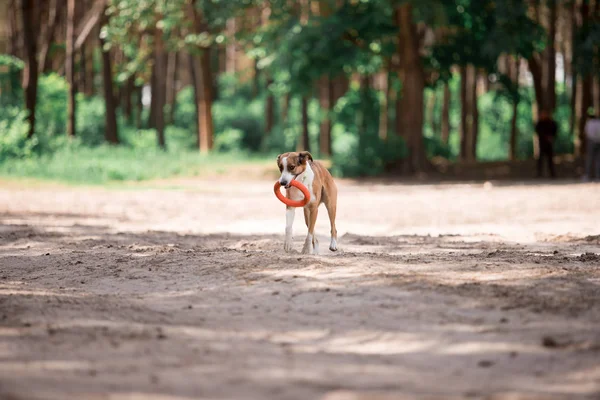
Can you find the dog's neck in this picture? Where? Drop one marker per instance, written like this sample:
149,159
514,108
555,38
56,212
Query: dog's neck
307,176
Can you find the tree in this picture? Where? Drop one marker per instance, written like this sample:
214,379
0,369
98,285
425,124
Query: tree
70,67
111,131
409,114
30,83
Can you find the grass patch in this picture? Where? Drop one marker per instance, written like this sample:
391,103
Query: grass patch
110,164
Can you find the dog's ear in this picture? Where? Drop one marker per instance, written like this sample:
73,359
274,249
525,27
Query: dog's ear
278,159
303,156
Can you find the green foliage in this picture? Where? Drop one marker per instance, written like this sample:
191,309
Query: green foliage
13,134
10,80
51,110
357,36
482,31
75,163
358,149
235,114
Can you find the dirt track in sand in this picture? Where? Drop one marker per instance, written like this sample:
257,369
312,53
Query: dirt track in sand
182,291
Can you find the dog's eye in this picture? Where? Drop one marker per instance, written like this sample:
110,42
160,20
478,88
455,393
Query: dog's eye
291,167
280,168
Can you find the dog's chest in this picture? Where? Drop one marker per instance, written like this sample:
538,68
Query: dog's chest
307,179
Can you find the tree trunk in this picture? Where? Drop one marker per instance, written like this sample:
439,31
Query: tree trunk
550,60
269,109
70,67
202,78
384,103
574,75
203,81
88,89
5,28
464,114
160,93
304,142
30,83
171,85
151,124
585,99
431,112
513,125
543,66
410,104
585,103
110,132
139,107
285,105
325,101
127,100
446,114
474,115
48,35
230,66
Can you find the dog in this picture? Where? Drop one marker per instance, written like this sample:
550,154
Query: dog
300,166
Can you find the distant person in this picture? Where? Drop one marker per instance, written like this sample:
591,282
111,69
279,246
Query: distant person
592,159
546,130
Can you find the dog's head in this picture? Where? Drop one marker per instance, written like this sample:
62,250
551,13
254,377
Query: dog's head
291,165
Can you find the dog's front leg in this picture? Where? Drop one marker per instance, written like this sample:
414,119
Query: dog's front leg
290,212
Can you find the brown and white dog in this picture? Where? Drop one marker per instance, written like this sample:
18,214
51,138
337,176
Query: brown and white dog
312,174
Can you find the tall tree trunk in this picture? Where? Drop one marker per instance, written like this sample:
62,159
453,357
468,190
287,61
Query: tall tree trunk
410,104
304,142
515,107
474,115
111,131
446,114
171,85
431,112
550,61
151,124
543,66
88,68
269,109
127,100
230,66
285,105
585,99
160,93
5,28
464,113
202,78
325,101
30,83
48,35
70,67
574,75
139,106
82,84
384,117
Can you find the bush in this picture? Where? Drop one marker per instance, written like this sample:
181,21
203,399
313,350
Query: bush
51,109
13,135
91,122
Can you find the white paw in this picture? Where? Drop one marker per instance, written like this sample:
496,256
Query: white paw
333,245
307,249
288,246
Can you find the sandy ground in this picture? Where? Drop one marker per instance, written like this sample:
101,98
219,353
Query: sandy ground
182,291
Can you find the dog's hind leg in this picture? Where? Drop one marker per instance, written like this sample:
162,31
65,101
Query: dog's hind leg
331,205
311,244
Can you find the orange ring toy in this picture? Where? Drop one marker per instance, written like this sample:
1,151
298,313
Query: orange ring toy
290,202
